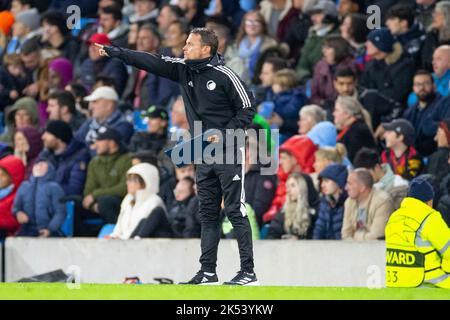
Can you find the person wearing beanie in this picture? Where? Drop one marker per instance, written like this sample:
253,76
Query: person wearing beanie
438,161
383,176
106,178
331,209
25,27
68,156
419,234
390,71
400,153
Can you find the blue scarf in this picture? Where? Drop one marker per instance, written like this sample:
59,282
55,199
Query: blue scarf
6,192
250,52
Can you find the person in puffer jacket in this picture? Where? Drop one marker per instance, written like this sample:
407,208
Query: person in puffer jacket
331,210
37,206
297,154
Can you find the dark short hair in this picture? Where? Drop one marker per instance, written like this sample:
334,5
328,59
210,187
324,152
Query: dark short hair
113,10
107,81
175,10
423,72
64,98
366,158
277,63
344,72
342,48
183,25
364,177
30,46
56,18
152,29
403,12
208,38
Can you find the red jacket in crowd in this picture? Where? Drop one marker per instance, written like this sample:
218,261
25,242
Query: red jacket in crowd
16,170
303,149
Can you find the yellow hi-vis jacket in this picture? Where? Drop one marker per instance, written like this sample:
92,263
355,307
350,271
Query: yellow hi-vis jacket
417,247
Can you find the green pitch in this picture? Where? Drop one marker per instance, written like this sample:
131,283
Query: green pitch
177,292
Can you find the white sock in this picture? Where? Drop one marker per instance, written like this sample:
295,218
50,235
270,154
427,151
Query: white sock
209,274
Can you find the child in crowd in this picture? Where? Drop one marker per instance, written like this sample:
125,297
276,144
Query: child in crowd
400,153
37,206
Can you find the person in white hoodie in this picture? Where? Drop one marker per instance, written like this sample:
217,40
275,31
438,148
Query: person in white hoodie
143,213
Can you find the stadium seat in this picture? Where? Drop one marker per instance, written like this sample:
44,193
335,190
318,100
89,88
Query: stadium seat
67,226
264,231
106,230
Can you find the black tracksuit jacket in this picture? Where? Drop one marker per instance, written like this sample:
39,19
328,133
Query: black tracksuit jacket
212,93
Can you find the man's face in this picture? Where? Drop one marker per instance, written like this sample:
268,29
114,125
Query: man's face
186,171
156,124
94,53
395,25
108,23
99,109
143,7
345,86
441,61
194,49
182,190
165,18
31,61
50,141
53,109
266,75
353,186
146,41
102,147
174,36
423,86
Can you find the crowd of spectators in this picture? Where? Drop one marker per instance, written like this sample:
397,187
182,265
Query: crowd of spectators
360,110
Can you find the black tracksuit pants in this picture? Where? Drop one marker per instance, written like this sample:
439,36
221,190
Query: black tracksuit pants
213,182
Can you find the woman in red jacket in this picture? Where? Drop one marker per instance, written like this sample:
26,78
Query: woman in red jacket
12,173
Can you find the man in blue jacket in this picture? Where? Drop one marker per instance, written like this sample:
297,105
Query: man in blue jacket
103,104
69,156
214,95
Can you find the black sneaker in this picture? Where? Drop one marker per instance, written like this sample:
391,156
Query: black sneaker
243,279
203,279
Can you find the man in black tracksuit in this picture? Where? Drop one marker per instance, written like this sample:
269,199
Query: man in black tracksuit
213,94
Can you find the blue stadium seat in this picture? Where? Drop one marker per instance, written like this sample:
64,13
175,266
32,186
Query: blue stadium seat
106,230
264,231
67,226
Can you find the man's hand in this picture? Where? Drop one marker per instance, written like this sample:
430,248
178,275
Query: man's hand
22,217
88,201
44,233
101,50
